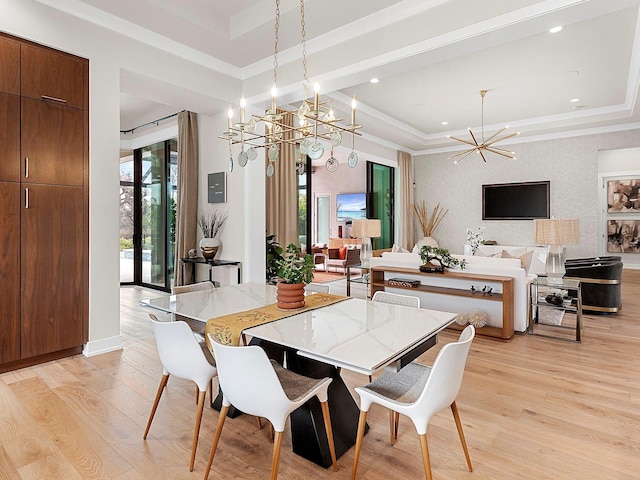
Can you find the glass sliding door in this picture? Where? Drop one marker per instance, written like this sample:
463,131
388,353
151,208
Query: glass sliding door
127,206
154,206
380,195
323,207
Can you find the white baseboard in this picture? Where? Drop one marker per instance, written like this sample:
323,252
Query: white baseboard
104,345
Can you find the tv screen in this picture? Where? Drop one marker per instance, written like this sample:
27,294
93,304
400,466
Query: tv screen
515,201
351,206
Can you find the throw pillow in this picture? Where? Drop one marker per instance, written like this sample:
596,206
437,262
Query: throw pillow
480,253
525,259
342,252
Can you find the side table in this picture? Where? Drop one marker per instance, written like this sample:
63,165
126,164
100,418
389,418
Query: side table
211,264
363,279
572,304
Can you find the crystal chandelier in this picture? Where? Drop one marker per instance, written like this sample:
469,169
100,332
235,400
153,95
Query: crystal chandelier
316,121
485,145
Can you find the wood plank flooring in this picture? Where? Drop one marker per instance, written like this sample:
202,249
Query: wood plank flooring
533,408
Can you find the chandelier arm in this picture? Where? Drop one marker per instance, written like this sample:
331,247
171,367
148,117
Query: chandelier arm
498,148
482,155
465,141
463,152
488,140
508,155
474,138
465,155
506,137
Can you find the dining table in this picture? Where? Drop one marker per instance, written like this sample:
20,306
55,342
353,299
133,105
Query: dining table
353,334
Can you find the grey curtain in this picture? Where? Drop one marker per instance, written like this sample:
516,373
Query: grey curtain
187,205
406,230
282,193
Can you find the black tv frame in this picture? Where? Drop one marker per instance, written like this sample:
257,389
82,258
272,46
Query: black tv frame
521,193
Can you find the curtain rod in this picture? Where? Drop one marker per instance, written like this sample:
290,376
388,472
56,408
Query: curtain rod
153,122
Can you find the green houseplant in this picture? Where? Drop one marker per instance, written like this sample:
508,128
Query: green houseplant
435,260
294,271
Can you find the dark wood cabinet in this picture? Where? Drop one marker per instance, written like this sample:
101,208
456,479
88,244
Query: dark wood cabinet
10,271
44,220
52,76
52,269
10,62
9,137
52,143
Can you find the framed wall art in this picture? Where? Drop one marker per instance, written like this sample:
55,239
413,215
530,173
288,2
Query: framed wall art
217,187
622,236
623,196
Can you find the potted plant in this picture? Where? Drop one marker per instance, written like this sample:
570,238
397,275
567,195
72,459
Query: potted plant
211,223
274,257
294,271
428,222
435,260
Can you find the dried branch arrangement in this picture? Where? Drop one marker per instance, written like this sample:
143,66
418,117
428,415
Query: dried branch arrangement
428,223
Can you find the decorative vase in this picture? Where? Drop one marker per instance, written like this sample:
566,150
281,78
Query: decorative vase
468,249
209,247
425,242
290,296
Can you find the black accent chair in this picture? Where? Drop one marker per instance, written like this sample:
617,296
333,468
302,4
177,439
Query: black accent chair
601,279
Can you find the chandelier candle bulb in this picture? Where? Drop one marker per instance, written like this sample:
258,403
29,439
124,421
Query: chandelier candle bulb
230,116
274,93
243,104
353,111
316,97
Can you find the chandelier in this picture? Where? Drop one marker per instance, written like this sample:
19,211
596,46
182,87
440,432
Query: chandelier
485,145
316,122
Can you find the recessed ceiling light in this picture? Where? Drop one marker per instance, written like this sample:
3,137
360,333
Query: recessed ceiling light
444,123
556,29
574,100
374,80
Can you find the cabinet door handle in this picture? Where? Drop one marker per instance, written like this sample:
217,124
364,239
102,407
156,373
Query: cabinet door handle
26,167
53,99
26,198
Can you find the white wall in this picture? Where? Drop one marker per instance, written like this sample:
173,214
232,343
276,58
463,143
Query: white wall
570,164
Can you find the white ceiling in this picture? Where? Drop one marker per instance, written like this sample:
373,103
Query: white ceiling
432,57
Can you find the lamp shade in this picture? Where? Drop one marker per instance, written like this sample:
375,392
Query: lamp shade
555,231
366,228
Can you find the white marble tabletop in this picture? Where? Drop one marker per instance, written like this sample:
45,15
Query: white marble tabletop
355,334
205,304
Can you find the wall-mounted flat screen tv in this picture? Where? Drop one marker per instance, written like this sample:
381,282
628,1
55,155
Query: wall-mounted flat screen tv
351,206
515,201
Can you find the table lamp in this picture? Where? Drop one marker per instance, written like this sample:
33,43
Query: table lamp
366,229
556,233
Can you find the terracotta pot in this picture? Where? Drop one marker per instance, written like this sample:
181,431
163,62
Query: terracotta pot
290,296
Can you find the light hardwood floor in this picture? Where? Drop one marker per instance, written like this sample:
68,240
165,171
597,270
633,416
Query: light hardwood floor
533,408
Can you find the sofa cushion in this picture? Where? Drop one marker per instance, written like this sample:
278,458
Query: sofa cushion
525,258
342,252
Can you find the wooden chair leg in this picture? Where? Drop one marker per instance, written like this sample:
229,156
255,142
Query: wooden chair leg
271,432
163,383
424,447
197,394
329,429
216,438
196,429
356,456
397,424
456,417
392,426
277,443
259,420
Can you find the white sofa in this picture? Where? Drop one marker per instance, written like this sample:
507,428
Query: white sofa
508,267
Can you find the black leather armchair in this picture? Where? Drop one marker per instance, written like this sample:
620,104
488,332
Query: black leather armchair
601,279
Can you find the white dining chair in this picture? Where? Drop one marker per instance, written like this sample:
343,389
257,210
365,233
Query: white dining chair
182,356
263,388
196,326
396,299
317,287
419,392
